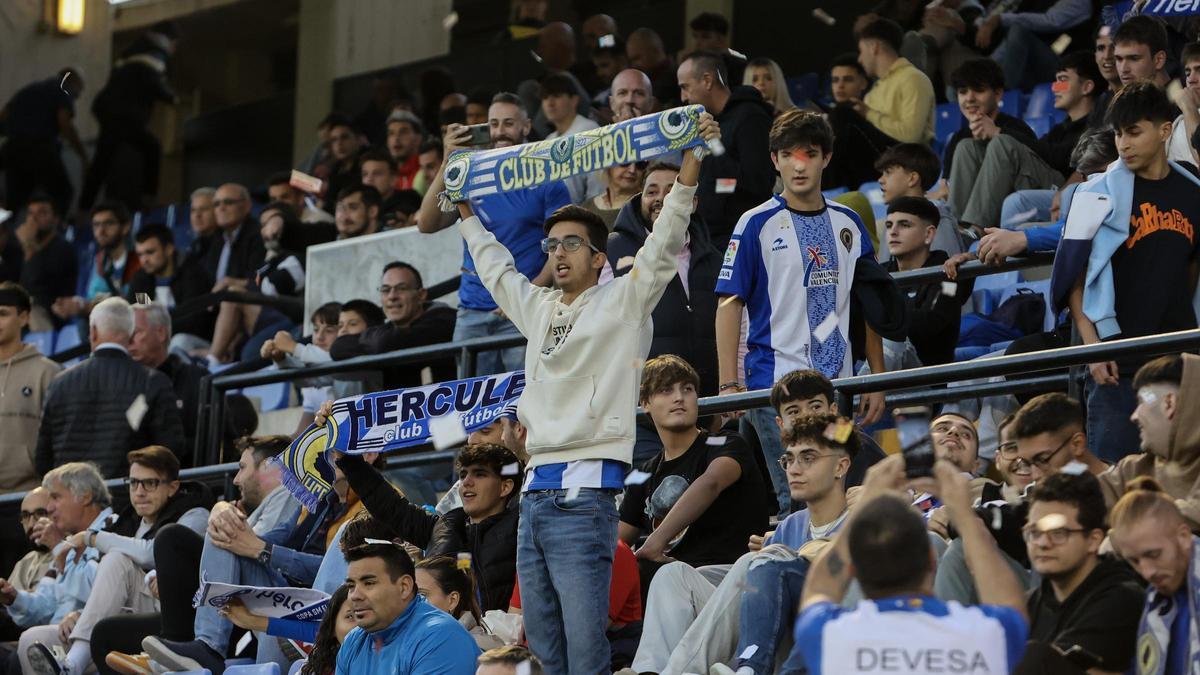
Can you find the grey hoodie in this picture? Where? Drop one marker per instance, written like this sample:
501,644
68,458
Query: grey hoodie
24,380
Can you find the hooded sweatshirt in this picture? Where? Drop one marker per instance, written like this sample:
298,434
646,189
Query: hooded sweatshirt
1178,472
743,177
583,361
24,380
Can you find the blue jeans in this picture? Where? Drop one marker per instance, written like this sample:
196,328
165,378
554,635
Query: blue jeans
564,563
771,441
217,564
1022,202
769,612
1111,435
1025,58
473,323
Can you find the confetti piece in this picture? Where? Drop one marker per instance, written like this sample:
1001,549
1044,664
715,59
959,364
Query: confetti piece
1148,397
142,299
304,182
447,431
839,431
1020,219
949,288
5,215
826,328
63,85
715,440
572,493
1074,469
1053,521
748,652
1060,45
463,562
824,17
450,20
636,477
510,469
243,643
136,412
523,668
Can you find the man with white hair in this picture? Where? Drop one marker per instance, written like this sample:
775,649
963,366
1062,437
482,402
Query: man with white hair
238,249
150,346
108,405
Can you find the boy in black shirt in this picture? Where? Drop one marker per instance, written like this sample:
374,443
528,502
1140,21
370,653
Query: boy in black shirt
703,498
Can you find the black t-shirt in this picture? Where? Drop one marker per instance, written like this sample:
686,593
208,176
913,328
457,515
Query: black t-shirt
720,534
1151,270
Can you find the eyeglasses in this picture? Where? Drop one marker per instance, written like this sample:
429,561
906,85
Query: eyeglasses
1043,460
150,484
570,243
804,461
1057,536
1007,450
227,202
399,288
35,514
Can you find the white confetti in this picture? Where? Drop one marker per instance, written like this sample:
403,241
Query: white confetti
5,215
510,469
1074,469
748,652
523,668
1020,218
1147,397
447,431
826,328
949,288
243,643
636,477
450,20
715,440
137,412
824,17
573,493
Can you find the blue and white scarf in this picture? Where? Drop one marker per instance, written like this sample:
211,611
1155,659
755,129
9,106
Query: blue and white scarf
1154,633
471,174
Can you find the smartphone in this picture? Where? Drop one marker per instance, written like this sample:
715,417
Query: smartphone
481,134
1082,657
912,424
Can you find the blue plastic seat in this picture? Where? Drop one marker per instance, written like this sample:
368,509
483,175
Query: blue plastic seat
1010,103
204,671
271,396
834,192
254,669
989,290
874,194
1040,125
947,119
804,87
295,669
1041,102
43,340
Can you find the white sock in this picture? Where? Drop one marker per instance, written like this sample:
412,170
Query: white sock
79,657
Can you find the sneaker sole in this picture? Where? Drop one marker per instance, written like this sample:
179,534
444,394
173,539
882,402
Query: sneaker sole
163,655
41,660
125,665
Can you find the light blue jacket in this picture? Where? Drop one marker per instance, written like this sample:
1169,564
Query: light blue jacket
52,599
423,640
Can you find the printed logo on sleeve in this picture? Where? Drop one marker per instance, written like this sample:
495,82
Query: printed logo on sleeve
731,252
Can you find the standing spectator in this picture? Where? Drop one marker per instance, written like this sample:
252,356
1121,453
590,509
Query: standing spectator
911,170
564,556
644,47
556,53
163,276
123,107
112,266
741,178
934,314
683,319
1134,279
847,79
1029,29
412,320
344,146
25,377
238,250
767,77
631,95
1083,615
898,109
398,630
36,120
710,33
797,240
560,104
404,132
107,405
515,218
280,189
358,211
50,269
149,346
886,549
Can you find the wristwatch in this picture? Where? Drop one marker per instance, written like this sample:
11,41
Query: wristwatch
264,556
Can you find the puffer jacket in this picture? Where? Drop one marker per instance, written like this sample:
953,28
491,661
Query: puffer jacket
24,381
491,543
89,410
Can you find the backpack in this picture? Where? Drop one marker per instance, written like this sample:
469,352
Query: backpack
1025,312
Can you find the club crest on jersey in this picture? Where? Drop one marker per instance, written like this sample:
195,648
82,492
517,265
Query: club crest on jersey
847,238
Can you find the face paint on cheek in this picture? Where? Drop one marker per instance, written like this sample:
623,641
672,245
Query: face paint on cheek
1059,87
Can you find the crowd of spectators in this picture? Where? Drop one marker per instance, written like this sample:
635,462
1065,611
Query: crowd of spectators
578,537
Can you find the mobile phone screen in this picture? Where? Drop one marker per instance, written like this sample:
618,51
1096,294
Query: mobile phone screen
912,425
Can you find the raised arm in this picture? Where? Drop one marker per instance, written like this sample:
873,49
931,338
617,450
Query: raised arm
431,218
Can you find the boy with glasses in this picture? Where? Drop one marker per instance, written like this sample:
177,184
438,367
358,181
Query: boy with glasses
1049,432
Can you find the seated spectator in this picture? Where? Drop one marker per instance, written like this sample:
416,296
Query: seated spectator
609,60
238,251
193,331
1156,540
1018,162
429,157
485,526
1184,130
743,177
411,321
404,132
49,270
897,109
335,626
398,630
1017,475
108,405
1131,281
22,369
1049,432
1165,387
149,346
684,317
701,500
1083,615
767,77
644,47
847,79
452,590
509,660
911,227
344,147
912,170
885,548
620,183
631,95
286,352
280,189
126,550
163,275
112,266
1140,50
358,211
397,207
1024,48
710,33
980,87
42,536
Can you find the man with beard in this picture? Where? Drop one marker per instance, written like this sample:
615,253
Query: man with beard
404,132
41,533
112,265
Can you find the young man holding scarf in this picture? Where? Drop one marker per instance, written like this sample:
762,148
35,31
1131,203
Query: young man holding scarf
583,365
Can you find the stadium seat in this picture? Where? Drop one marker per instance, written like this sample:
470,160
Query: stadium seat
946,120
1040,125
241,661
204,671
295,669
1010,104
67,338
270,396
1041,102
990,289
874,194
43,340
834,192
254,669
804,87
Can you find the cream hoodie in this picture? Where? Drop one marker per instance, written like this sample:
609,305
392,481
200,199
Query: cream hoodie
583,362
24,380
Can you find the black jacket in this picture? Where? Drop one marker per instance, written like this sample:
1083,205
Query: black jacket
185,379
85,417
491,543
51,273
745,166
1008,124
246,255
933,316
1101,616
1055,147
435,325
191,281
191,494
684,323
876,300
